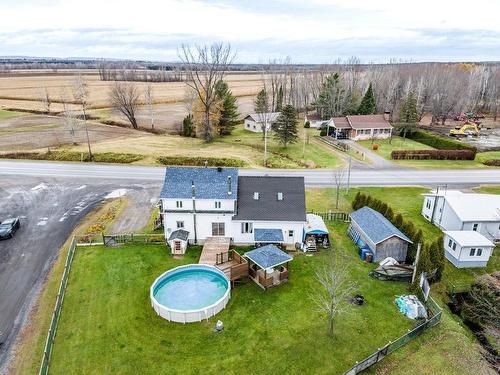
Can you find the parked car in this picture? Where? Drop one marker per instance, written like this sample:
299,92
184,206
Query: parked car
8,227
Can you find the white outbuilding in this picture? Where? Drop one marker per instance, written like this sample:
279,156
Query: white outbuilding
253,122
467,249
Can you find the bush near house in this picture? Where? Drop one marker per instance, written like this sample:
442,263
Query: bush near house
199,161
106,157
438,142
492,162
433,154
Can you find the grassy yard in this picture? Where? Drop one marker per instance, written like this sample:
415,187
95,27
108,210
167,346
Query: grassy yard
386,146
108,325
314,155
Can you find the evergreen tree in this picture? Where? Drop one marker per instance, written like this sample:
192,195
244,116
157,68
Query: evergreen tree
362,200
408,116
383,209
367,106
389,214
437,257
412,248
355,202
229,111
187,126
279,99
398,221
332,99
424,262
285,127
261,108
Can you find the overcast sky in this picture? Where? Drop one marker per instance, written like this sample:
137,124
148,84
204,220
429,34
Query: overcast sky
309,31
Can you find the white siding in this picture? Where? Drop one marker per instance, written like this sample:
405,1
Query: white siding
286,227
201,204
361,134
462,253
254,126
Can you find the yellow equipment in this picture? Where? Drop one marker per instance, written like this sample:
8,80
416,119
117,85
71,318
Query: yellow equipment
465,130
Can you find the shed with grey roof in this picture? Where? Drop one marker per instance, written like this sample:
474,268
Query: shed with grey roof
370,228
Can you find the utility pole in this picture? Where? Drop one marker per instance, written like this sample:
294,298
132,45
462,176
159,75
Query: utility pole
265,145
349,174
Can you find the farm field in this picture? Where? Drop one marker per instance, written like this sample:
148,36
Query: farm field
386,146
107,305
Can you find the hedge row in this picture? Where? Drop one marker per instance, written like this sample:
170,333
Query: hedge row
438,142
492,162
195,161
106,157
434,154
432,253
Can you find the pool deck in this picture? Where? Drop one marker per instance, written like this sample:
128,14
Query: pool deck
212,247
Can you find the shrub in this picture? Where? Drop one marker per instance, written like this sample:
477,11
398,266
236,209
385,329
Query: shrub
106,157
322,133
188,127
197,161
492,162
307,125
375,147
433,154
436,141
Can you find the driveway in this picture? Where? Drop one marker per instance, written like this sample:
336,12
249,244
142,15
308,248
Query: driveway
377,161
49,209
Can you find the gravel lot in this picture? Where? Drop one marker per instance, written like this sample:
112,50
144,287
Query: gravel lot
49,209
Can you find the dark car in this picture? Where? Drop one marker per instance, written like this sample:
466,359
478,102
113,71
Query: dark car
8,227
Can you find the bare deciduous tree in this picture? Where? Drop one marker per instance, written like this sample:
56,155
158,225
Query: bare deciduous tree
205,66
149,96
338,178
124,97
81,95
70,120
46,99
336,286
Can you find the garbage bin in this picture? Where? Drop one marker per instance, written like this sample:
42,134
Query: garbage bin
369,258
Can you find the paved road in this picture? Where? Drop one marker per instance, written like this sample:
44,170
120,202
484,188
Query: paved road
49,208
313,178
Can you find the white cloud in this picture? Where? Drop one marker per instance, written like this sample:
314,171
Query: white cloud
130,28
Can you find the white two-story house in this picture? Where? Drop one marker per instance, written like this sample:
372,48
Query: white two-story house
196,203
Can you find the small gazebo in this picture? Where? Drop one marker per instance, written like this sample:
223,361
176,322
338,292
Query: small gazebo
268,265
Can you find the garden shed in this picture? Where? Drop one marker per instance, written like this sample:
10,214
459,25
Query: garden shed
373,230
178,241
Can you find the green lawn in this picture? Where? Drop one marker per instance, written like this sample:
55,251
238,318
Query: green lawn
108,325
488,189
386,146
316,155
4,115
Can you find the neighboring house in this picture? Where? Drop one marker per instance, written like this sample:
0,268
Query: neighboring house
465,249
452,210
361,127
372,229
216,202
253,122
316,121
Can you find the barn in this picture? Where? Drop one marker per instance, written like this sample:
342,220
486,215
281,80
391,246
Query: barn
372,229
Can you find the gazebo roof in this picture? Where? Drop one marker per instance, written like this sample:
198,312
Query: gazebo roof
268,256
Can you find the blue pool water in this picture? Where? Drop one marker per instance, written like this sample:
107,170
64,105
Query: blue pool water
190,289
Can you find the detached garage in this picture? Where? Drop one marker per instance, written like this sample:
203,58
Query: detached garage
372,229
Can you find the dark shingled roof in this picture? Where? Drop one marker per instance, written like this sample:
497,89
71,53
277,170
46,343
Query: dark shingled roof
375,225
209,183
268,235
268,256
268,207
179,234
368,122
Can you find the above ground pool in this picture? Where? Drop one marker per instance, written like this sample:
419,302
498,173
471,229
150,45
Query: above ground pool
190,293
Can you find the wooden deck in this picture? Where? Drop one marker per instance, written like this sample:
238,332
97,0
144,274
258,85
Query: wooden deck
212,247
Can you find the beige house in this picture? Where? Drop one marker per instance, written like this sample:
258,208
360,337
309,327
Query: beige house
361,127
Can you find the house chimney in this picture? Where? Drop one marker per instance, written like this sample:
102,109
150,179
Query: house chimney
229,185
387,115
206,163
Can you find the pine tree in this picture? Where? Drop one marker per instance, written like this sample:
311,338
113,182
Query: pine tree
424,262
437,257
279,99
229,112
187,126
355,202
261,108
362,200
412,248
367,106
285,127
408,116
389,214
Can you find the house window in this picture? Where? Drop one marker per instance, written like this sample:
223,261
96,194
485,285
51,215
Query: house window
450,242
475,226
218,204
280,196
479,252
454,246
290,233
178,204
180,224
218,229
246,228
472,252
428,203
